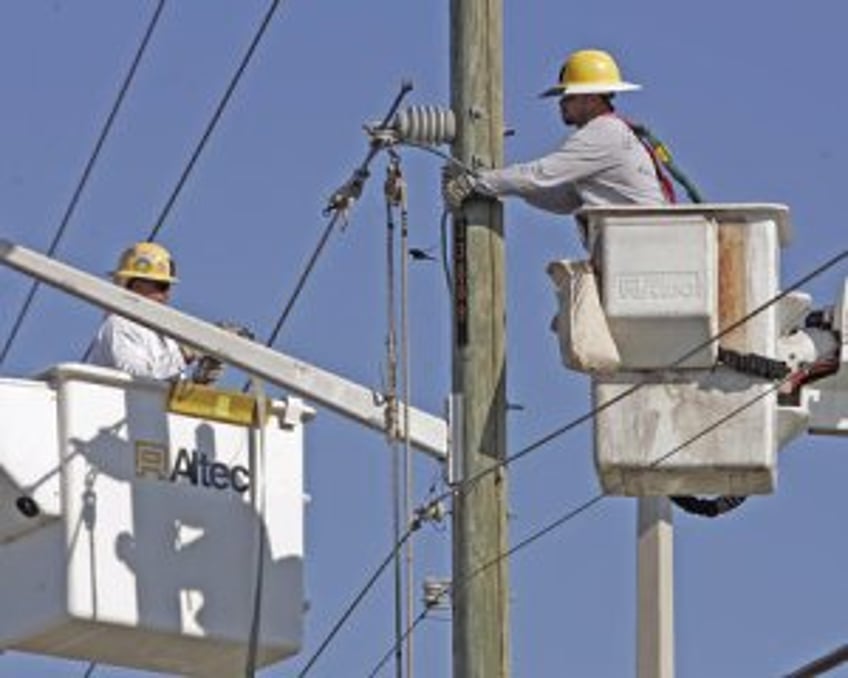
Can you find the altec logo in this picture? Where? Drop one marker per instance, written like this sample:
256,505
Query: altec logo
151,459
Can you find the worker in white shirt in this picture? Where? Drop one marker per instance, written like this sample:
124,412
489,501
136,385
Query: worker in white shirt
603,162
147,269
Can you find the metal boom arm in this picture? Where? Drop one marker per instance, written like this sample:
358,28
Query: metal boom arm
426,432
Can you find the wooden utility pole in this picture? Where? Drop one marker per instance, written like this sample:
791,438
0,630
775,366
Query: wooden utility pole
480,582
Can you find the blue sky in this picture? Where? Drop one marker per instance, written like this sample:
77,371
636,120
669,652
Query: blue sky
749,96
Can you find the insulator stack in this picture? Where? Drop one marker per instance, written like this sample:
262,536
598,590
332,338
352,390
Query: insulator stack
426,125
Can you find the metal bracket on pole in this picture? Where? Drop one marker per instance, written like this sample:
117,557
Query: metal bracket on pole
454,466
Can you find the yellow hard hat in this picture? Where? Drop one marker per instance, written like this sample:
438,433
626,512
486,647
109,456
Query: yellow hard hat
589,71
146,260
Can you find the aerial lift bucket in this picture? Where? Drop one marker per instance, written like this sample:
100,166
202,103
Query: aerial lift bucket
137,519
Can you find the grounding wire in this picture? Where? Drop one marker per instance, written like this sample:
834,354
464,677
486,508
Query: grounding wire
592,413
573,513
86,173
222,104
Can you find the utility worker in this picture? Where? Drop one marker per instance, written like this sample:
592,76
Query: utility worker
603,162
147,269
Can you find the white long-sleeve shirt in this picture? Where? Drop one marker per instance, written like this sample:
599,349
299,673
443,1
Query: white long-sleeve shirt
601,163
125,345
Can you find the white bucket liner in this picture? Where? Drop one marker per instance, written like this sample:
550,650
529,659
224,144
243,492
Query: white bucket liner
585,341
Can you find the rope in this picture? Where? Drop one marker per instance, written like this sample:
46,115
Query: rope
406,371
86,173
392,191
222,104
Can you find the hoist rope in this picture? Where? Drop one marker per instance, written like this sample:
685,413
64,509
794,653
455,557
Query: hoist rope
391,189
86,173
406,375
207,133
396,199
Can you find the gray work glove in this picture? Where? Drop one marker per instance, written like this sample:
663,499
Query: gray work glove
457,186
207,371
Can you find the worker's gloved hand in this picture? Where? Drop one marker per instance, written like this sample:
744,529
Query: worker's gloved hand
457,186
207,371
190,354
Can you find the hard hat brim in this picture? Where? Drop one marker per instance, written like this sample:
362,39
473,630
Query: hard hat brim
124,276
560,90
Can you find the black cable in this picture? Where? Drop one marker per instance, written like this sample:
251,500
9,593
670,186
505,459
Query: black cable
420,618
591,414
573,513
214,120
822,665
83,180
358,599
298,288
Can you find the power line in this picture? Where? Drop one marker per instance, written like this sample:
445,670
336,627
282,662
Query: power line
822,664
591,414
585,506
420,618
83,180
573,513
338,205
214,120
358,599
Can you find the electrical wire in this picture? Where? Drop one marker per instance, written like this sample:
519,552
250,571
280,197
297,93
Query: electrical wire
207,133
86,173
573,513
591,414
298,288
407,634
585,506
358,599
338,205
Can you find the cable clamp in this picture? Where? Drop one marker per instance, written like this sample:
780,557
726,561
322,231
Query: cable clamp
433,512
